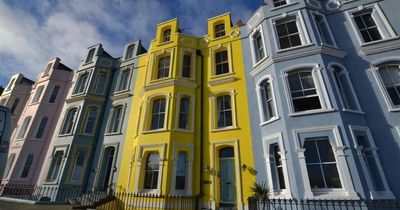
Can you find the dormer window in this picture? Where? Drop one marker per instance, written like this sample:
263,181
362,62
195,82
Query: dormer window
166,35
90,55
129,51
219,30
278,3
46,72
10,84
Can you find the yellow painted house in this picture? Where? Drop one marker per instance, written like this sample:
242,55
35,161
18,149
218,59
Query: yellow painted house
189,130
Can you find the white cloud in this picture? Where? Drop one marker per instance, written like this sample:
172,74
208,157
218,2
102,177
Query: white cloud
30,35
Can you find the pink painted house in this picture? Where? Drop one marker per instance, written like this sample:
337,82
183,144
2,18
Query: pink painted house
35,128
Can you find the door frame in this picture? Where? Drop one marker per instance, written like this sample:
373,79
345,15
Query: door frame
215,146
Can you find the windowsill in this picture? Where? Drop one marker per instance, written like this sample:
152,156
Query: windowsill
98,94
215,77
35,103
364,44
273,119
219,38
224,129
113,134
64,135
120,92
259,62
155,131
353,111
283,6
50,182
150,192
294,48
394,109
281,195
387,194
20,139
155,81
128,59
332,193
87,63
165,43
183,130
329,45
77,94
318,111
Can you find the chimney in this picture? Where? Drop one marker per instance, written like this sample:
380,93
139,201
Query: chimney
239,23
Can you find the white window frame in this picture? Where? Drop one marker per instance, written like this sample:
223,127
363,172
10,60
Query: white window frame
148,111
192,106
64,149
75,120
189,150
347,192
154,65
47,69
132,46
39,92
211,65
8,169
213,108
267,142
192,53
321,36
87,113
386,31
86,85
319,85
381,85
28,121
352,92
259,29
89,58
98,76
260,100
117,90
111,119
386,194
301,27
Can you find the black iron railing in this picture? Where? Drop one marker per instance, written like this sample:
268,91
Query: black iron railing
293,204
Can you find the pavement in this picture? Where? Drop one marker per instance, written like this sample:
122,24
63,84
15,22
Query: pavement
5,205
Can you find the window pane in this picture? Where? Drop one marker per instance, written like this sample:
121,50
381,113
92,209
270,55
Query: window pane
184,113
180,180
186,66
41,128
151,171
9,163
24,127
101,83
90,121
158,113
331,176
79,164
14,106
38,94
54,94
27,166
315,176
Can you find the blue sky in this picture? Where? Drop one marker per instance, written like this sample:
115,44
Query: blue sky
33,32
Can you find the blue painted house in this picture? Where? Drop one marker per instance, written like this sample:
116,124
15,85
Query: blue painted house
325,79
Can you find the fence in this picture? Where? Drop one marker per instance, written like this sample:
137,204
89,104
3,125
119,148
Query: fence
130,201
41,193
293,204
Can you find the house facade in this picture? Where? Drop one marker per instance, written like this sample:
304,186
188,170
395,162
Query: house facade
324,79
36,125
189,133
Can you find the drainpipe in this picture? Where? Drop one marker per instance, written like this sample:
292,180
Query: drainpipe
201,193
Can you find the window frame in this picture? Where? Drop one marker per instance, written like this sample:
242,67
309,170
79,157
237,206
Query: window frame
99,74
9,165
25,125
222,32
260,100
85,85
258,29
319,32
332,132
267,142
74,120
76,152
192,53
374,194
111,122
191,114
96,119
147,115
212,64
90,55
317,75
14,106
62,149
38,95
130,50
39,127
213,107
28,167
301,28
385,30
128,79
55,94
47,69
331,68
189,150
375,69
166,37
154,65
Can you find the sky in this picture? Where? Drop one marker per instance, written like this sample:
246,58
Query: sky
33,32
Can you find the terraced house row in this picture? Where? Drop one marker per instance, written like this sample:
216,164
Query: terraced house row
304,96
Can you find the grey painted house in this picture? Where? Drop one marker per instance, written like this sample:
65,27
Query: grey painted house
325,79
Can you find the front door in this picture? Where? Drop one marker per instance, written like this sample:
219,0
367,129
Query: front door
107,171
227,177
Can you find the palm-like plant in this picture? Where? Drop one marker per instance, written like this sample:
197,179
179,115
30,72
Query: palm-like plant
261,191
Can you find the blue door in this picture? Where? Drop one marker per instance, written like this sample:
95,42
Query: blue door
227,176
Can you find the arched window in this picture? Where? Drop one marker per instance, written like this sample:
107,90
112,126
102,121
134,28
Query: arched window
258,46
55,166
344,88
390,76
267,100
158,114
115,120
151,171
91,118
224,111
69,121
